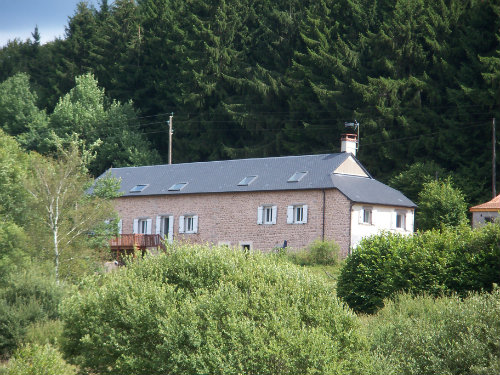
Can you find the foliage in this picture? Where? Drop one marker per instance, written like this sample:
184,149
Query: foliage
448,335
440,204
39,360
44,332
86,111
63,213
410,181
13,253
435,262
13,172
260,78
26,298
318,253
211,310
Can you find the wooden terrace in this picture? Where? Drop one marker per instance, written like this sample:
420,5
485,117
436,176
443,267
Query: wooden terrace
126,244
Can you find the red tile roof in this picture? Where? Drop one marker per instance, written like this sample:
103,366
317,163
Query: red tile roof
493,205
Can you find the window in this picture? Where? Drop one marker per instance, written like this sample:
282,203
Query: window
138,188
366,215
297,176
297,214
400,220
489,219
267,214
165,226
142,226
246,245
177,187
247,180
188,224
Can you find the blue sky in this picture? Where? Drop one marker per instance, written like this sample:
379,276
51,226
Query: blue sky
18,18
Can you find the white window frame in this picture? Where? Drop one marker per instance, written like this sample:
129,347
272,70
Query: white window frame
142,225
160,227
366,216
188,224
402,223
297,214
267,214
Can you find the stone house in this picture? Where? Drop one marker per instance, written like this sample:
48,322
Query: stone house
486,212
261,203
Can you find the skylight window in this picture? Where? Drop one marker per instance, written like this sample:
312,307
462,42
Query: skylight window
297,176
177,187
247,180
138,188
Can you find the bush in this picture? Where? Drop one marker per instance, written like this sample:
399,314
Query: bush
454,260
27,298
440,204
199,310
44,332
324,253
39,360
450,335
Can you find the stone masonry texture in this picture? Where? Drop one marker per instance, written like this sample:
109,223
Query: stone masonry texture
232,217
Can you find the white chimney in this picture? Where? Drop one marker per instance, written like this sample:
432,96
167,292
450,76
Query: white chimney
349,143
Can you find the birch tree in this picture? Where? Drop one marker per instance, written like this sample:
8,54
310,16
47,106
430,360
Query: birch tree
64,214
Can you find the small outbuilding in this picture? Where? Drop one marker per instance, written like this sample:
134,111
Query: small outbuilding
486,212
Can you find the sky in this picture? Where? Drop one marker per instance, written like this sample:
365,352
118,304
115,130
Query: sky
18,18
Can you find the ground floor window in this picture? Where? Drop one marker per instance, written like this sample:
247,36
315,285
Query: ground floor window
188,224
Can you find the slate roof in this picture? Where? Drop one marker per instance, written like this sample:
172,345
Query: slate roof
272,175
493,205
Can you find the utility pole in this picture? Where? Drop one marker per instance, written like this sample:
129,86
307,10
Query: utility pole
170,131
493,161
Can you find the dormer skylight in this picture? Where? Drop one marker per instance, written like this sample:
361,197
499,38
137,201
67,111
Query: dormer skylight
297,176
247,180
178,186
138,188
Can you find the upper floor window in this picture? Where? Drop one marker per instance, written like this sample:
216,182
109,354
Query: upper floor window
400,220
297,176
247,181
297,214
138,188
267,214
177,187
366,215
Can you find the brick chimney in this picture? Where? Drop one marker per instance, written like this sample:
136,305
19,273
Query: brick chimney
349,143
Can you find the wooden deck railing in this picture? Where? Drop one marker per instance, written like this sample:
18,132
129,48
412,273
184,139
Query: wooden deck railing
140,241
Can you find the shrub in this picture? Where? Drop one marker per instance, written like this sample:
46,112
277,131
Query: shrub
199,310
449,335
454,260
440,204
27,298
38,360
318,253
44,332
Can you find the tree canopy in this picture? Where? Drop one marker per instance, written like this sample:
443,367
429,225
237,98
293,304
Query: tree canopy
267,78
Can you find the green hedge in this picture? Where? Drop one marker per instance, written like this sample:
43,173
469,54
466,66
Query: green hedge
200,310
38,360
436,262
449,335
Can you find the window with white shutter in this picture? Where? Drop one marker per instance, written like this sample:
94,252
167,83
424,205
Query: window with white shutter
266,214
296,214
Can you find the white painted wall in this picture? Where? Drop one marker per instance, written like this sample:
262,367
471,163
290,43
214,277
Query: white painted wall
479,218
383,219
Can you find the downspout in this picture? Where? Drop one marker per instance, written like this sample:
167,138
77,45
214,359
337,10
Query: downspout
349,250
323,226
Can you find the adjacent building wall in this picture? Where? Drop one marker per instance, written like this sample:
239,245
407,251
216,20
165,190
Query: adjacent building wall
383,219
479,218
231,218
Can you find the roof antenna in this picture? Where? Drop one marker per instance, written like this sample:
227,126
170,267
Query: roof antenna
170,132
351,137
